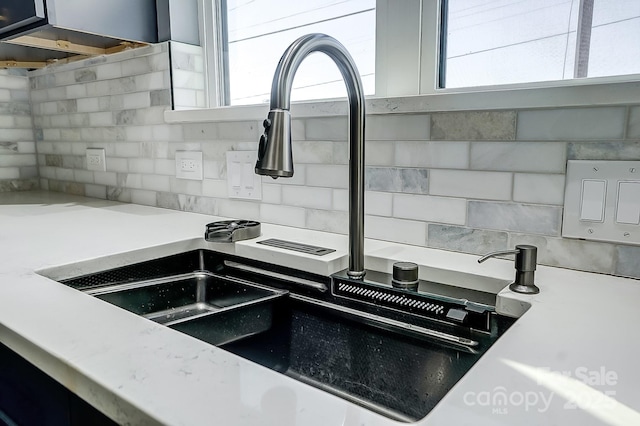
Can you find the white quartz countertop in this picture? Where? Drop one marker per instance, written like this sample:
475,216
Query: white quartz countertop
570,359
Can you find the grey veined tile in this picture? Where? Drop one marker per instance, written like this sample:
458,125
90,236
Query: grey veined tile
393,179
467,240
627,263
611,150
543,220
483,125
567,253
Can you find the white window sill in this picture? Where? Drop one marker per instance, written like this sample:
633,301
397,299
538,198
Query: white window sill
562,94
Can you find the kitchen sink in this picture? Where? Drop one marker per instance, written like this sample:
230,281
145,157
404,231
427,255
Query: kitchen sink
392,351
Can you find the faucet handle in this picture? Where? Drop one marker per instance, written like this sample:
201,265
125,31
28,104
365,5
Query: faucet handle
525,264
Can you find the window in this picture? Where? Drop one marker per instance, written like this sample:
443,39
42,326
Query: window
412,47
259,31
491,42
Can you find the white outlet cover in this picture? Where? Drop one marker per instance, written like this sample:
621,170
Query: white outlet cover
96,159
242,182
189,165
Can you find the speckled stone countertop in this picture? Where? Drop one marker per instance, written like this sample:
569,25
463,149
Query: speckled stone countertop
569,359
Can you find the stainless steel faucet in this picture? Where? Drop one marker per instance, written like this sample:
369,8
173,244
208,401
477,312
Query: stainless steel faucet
525,263
275,157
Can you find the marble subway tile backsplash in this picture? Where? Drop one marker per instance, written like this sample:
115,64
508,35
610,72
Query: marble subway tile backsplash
18,158
467,181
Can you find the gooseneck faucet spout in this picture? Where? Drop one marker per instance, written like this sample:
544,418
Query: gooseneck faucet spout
275,157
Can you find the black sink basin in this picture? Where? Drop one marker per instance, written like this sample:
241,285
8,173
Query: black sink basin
365,349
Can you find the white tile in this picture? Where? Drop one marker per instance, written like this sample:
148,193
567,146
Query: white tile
396,230
101,119
184,97
538,188
152,81
146,198
271,193
95,191
83,176
136,66
164,166
125,149
283,215
312,152
76,91
542,157
136,100
237,209
9,173
214,188
132,180
60,121
5,95
26,147
329,176
23,122
341,200
572,124
139,133
378,153
430,209
183,186
105,178
326,129
378,203
7,121
240,130
64,174
109,71
441,155
88,105
142,165
48,108
470,184
119,165
327,221
188,79
398,127
156,183
167,132
302,196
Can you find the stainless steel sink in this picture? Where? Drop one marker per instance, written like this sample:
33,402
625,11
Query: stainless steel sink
390,351
213,308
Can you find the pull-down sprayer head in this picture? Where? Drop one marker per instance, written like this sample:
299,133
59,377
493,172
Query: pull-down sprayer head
275,156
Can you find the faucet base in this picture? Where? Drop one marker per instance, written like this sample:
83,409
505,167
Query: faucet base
356,275
524,289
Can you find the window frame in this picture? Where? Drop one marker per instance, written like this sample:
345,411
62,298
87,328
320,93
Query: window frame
411,75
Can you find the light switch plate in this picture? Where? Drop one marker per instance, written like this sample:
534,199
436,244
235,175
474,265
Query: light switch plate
96,159
242,182
189,165
591,215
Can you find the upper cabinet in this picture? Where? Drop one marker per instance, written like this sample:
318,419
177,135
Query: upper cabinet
36,31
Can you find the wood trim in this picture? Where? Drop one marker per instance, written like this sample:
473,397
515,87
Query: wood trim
57,45
22,64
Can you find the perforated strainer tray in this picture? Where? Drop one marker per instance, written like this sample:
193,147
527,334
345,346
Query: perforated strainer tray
460,311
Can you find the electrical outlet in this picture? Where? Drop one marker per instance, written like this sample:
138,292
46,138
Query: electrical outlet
189,165
96,159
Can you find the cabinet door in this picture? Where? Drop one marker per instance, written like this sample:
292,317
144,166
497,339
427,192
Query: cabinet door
28,396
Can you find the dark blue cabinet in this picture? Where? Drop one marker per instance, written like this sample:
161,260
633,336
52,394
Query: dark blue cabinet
30,397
